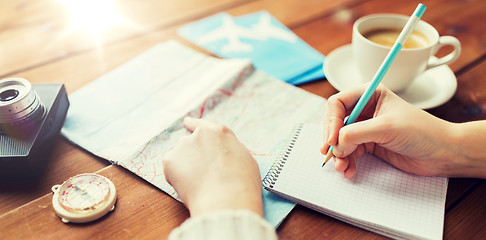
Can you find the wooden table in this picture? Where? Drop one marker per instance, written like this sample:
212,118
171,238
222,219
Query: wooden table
37,43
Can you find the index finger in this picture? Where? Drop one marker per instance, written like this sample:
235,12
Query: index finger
192,123
337,108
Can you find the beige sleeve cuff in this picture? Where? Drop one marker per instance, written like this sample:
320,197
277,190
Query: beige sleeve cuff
225,224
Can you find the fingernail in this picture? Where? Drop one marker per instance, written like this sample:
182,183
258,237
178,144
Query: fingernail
337,152
187,118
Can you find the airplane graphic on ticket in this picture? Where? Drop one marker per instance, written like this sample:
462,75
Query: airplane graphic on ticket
260,37
229,30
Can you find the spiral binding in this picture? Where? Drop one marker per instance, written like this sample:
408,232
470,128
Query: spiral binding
274,172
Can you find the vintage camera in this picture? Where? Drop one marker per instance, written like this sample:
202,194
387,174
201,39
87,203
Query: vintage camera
31,117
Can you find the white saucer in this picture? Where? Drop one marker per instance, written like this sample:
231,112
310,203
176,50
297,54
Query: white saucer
431,89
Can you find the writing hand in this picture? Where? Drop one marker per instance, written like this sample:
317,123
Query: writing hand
390,128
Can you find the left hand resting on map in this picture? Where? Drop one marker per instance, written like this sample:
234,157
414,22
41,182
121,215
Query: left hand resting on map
211,170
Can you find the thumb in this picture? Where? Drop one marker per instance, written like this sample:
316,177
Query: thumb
351,136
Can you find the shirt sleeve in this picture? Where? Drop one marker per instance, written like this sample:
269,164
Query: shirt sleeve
225,224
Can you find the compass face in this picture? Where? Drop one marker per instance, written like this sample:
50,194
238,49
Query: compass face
84,193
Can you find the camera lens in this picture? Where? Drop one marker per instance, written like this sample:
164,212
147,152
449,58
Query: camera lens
8,95
18,102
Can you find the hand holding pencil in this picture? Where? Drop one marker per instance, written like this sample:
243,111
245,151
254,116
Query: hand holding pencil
403,135
395,49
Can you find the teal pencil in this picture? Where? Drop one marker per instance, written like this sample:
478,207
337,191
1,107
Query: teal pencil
392,54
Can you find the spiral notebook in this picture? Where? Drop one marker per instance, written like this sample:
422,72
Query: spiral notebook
379,198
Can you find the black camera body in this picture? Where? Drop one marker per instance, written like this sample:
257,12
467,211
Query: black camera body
29,125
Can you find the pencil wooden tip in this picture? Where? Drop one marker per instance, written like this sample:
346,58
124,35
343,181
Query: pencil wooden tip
328,156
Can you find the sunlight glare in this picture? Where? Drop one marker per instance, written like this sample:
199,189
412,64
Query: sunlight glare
92,16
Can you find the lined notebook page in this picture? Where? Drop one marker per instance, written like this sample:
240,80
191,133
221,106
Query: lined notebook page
379,197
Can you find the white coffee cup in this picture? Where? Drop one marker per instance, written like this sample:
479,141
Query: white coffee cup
410,62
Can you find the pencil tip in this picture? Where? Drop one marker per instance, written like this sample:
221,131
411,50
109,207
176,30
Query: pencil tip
328,156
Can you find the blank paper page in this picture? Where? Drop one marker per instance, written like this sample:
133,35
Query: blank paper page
378,196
